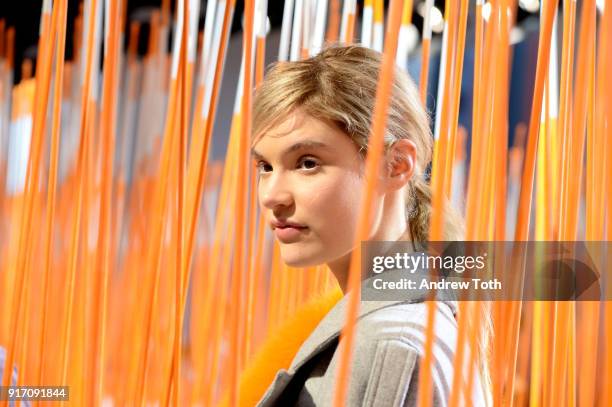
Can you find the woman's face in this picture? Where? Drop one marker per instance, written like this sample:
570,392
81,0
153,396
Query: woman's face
309,188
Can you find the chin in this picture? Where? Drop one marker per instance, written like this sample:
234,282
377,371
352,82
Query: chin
299,262
294,257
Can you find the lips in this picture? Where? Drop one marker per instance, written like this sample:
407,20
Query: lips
280,224
287,231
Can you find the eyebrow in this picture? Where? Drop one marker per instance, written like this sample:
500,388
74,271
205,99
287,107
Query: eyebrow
297,146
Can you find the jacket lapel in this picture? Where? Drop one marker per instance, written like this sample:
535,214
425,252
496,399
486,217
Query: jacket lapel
329,329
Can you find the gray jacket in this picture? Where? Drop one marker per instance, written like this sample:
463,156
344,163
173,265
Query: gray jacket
385,368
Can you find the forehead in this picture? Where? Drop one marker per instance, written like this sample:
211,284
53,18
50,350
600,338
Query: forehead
299,126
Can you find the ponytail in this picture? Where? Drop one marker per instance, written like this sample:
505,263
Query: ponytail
419,214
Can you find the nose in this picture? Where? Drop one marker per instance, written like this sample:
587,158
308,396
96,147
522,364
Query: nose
275,193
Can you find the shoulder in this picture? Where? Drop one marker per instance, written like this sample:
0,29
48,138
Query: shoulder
407,322
389,343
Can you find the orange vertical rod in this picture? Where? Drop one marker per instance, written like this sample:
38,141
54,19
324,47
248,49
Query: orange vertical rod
425,50
564,328
107,139
456,95
52,181
584,74
32,244
156,230
457,79
582,103
223,234
81,168
256,226
334,21
375,151
241,187
32,174
199,170
475,173
605,104
424,392
510,310
180,255
524,207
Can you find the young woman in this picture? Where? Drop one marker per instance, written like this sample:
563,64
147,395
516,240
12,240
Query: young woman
311,124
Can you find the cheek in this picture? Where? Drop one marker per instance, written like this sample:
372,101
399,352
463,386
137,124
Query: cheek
334,208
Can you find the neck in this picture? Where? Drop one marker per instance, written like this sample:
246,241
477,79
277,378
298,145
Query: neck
392,226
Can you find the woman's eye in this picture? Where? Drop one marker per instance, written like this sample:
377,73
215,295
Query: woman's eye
308,164
263,167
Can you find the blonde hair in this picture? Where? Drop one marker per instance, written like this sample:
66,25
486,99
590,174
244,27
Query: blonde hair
339,85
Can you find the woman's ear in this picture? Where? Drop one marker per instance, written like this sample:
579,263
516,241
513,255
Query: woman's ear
401,162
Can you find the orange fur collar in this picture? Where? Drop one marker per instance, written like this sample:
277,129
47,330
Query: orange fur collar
280,348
